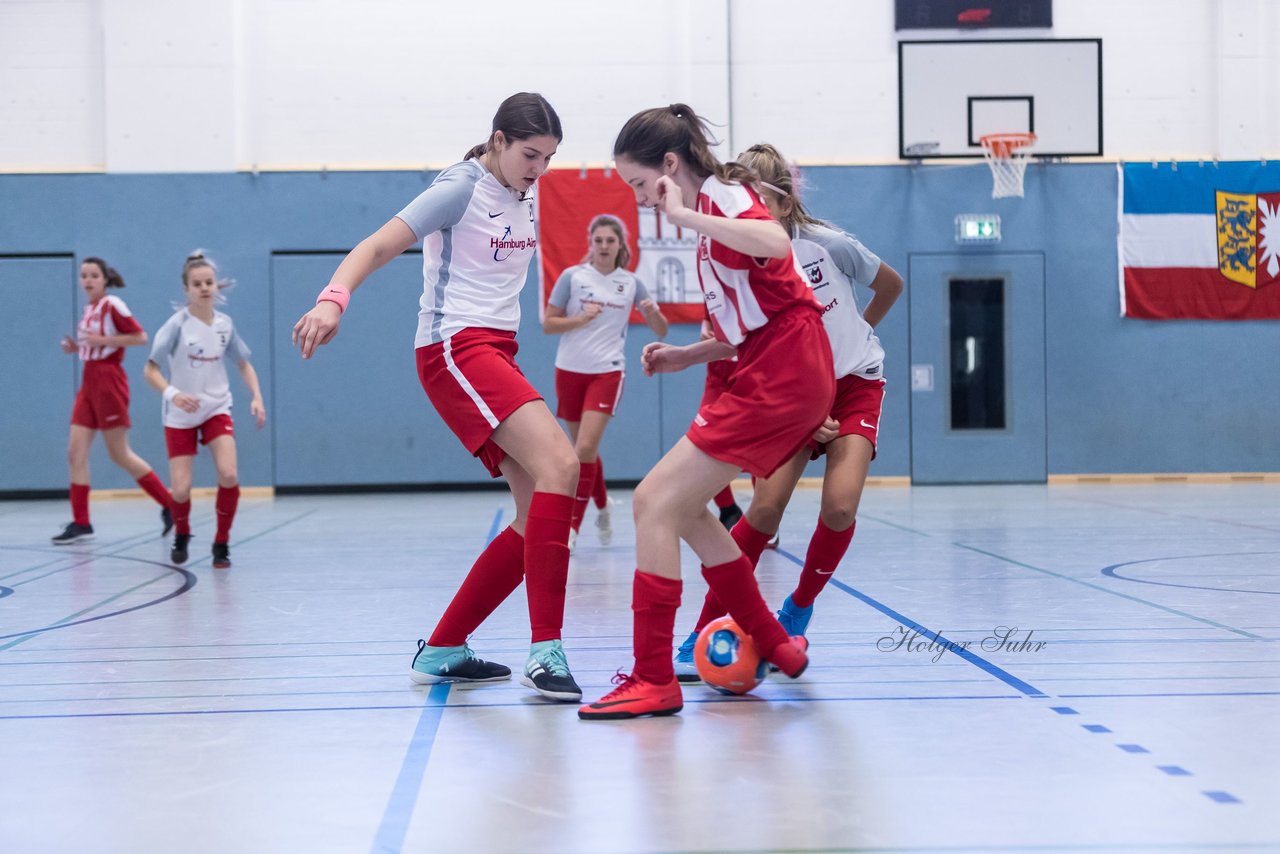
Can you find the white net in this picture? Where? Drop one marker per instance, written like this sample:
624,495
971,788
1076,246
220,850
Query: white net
1007,155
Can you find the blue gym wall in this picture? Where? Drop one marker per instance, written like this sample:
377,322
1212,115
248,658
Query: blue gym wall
1122,395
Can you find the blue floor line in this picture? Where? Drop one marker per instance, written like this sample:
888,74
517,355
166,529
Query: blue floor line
404,795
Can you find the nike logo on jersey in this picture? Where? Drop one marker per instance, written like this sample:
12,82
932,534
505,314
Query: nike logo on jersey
604,406
492,215
864,423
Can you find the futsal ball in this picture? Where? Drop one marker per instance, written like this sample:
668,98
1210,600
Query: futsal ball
726,658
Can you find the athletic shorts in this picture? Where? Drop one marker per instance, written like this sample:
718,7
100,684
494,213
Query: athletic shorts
718,373
181,441
780,392
474,383
578,393
857,408
103,400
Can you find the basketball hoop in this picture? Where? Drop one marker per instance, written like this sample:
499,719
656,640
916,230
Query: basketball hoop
1007,155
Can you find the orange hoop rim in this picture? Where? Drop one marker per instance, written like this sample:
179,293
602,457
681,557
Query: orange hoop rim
1003,145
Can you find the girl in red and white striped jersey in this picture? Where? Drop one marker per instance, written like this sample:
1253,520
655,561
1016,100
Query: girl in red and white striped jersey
777,396
590,307
102,404
476,224
834,263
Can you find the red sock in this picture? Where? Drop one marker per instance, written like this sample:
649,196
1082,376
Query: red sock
152,486
225,505
735,585
182,517
495,574
654,602
80,503
724,498
546,562
600,495
586,484
825,550
752,543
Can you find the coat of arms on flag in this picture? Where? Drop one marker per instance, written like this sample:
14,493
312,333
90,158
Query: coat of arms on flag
1249,237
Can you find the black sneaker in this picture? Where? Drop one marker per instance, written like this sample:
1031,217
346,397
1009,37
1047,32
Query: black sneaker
73,533
435,664
547,672
730,515
221,556
178,554
166,521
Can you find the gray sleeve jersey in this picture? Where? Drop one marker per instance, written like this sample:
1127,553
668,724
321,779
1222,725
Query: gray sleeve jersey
236,348
443,203
560,293
165,343
853,259
642,293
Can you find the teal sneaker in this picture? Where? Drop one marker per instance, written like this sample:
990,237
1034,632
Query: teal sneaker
435,664
686,670
547,672
794,619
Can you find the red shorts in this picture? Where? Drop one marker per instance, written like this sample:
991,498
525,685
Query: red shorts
473,381
103,400
857,408
577,393
780,392
718,373
181,441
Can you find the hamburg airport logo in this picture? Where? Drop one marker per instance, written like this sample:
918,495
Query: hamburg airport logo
505,245
1249,237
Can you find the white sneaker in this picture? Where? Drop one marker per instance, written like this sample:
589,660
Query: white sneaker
573,539
604,522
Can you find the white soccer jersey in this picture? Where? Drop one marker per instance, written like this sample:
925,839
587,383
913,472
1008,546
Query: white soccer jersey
108,316
600,346
833,262
477,240
194,352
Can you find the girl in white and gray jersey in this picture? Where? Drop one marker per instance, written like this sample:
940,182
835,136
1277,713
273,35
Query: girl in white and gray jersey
834,263
476,224
192,348
590,308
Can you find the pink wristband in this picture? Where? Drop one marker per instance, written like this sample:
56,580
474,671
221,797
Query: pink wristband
337,294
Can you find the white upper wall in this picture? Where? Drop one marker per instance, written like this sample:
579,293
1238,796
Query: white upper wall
219,85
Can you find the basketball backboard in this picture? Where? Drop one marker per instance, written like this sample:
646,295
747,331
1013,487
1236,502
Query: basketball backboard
951,93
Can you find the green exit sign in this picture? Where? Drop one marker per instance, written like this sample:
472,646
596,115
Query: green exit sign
978,228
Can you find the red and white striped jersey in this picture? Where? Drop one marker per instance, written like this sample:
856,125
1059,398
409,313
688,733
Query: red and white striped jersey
108,316
742,292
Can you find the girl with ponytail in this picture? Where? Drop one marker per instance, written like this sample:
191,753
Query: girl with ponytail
102,404
776,397
836,262
476,224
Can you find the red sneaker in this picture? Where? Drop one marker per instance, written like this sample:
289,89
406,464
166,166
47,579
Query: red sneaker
634,698
791,658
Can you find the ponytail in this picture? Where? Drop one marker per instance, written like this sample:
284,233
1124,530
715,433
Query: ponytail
649,135
776,175
109,273
523,115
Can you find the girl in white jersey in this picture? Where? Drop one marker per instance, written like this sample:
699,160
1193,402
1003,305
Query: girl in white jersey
476,224
590,307
775,398
193,345
834,263
102,404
